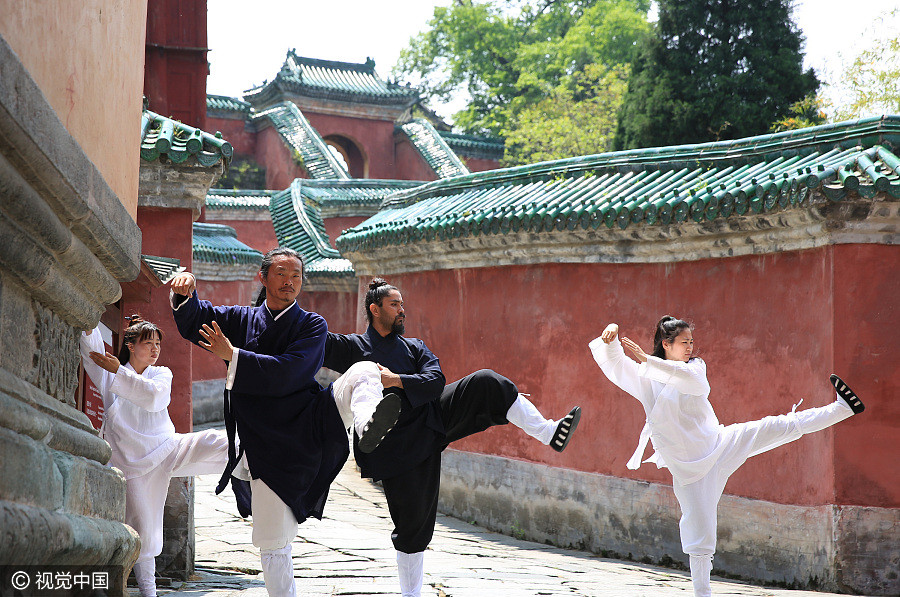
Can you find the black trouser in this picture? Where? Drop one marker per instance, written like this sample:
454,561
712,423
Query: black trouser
470,405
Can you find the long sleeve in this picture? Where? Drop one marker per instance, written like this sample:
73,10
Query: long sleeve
152,394
93,343
688,378
340,352
190,314
620,369
427,384
285,373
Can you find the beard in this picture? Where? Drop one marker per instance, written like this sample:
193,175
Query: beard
397,327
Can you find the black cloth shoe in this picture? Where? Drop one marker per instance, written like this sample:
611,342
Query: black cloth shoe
383,420
844,391
565,429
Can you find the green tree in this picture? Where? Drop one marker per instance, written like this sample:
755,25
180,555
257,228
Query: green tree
714,69
870,85
802,114
561,126
510,54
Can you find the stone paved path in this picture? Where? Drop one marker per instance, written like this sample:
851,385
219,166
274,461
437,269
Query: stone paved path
349,553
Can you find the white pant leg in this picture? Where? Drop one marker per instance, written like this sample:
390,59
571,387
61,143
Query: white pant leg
525,415
699,502
701,567
817,419
145,574
274,527
278,571
356,393
755,437
411,570
145,500
200,453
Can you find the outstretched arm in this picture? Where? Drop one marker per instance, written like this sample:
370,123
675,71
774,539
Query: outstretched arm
619,369
91,344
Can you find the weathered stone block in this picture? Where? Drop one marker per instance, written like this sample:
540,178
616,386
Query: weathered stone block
834,548
177,557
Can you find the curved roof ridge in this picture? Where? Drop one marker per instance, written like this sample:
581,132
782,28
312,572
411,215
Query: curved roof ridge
434,149
299,134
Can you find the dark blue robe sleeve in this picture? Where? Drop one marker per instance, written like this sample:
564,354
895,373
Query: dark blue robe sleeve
286,373
192,313
340,352
426,385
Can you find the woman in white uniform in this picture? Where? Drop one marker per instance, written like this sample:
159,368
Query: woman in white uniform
687,437
144,444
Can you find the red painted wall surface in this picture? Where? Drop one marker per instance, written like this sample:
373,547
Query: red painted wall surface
338,309
275,155
374,139
771,329
175,60
410,163
480,164
334,226
866,343
234,131
167,233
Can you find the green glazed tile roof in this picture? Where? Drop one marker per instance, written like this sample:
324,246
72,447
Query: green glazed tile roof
161,136
223,103
215,243
164,268
238,199
355,192
491,148
298,225
304,140
434,149
648,187
331,79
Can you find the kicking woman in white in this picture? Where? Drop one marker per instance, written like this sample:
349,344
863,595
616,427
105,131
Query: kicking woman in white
144,444
687,437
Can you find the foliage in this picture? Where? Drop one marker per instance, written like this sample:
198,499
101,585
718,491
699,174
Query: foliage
713,69
562,125
508,55
802,114
871,83
244,174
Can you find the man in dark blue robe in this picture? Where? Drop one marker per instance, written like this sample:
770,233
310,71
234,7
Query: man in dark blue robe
408,460
293,433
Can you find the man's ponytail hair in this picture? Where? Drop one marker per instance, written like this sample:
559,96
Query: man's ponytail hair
137,330
378,289
668,329
267,263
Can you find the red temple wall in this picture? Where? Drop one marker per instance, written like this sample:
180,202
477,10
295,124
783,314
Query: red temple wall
771,329
338,309
374,138
334,226
235,132
273,152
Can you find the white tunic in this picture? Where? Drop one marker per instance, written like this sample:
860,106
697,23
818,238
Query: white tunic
685,432
136,421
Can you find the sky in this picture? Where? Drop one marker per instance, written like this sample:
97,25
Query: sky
249,46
